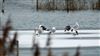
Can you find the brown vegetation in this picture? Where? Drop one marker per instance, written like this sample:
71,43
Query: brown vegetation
68,5
37,50
77,51
97,6
5,48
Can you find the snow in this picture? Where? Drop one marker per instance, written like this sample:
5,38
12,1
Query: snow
61,43
58,41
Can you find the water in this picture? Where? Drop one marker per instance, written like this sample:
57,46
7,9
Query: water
89,51
24,17
59,19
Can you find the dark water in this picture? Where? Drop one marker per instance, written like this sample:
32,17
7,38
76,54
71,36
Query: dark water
87,51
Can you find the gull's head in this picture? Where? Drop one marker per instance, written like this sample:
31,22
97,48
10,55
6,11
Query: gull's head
77,23
40,26
53,28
